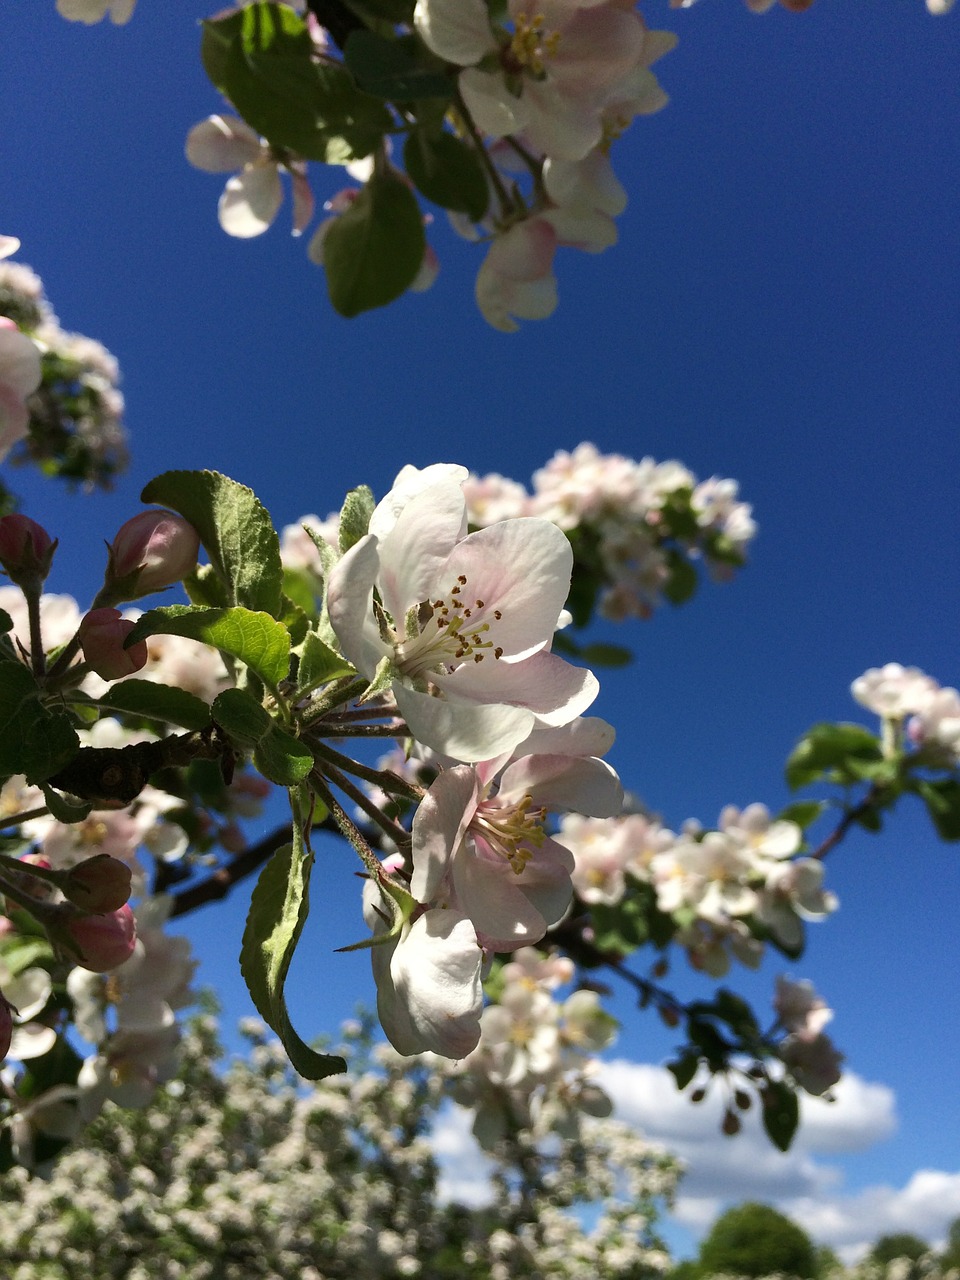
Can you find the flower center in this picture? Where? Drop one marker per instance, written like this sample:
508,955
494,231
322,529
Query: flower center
530,46
443,633
512,830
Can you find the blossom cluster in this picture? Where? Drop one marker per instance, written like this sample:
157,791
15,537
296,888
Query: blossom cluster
59,395
907,699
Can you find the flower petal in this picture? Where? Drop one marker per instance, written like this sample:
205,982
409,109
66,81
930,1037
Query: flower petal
250,201
438,828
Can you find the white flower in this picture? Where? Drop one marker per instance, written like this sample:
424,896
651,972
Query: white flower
90,11
19,377
464,620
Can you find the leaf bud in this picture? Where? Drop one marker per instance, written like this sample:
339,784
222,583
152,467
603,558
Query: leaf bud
102,633
26,551
151,551
104,941
698,1095
100,884
731,1123
742,1099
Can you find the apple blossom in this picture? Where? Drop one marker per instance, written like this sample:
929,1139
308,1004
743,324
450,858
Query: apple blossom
463,620
102,634
90,11
104,941
251,199
19,377
151,551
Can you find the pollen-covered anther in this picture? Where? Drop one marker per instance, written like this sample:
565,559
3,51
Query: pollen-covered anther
514,831
531,45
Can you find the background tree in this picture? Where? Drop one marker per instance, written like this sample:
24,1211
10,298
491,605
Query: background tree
755,1240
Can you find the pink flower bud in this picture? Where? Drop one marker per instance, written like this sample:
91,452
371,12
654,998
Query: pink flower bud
151,551
102,633
26,550
104,941
100,884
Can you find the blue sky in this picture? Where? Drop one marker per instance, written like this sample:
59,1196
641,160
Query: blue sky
781,308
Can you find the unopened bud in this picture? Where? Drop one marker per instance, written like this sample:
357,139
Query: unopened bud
104,941
102,633
26,551
100,884
731,1123
151,551
742,1099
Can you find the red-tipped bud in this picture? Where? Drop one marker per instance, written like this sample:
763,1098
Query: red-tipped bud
104,941
26,550
102,633
100,884
151,551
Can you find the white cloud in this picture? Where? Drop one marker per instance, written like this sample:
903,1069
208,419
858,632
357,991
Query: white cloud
464,1169
723,1171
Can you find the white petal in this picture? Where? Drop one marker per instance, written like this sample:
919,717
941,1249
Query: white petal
436,977
250,201
456,30
221,144
462,730
438,828
494,109
19,362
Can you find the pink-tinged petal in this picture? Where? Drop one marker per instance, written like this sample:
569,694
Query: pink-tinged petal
585,736
455,30
500,300
518,568
525,252
560,127
221,144
303,201
438,828
413,553
590,182
554,690
411,481
349,594
596,50
14,419
568,783
583,229
315,247
495,111
19,362
436,978
250,201
490,893
462,730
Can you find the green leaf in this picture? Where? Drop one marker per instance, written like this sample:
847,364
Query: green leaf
65,808
21,953
34,740
781,1113
234,527
278,911
263,59
804,812
606,655
447,171
942,799
682,583
826,749
282,758
152,701
684,1069
736,1013
399,68
255,639
241,716
374,250
319,664
205,586
358,507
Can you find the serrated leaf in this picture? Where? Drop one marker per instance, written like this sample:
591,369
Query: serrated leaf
282,758
234,527
160,702
319,664
34,739
373,251
255,639
447,171
278,911
398,68
241,716
781,1113
358,507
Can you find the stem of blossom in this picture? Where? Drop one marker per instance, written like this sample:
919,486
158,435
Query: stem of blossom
16,819
533,164
38,660
67,654
870,801
507,205
382,778
399,835
21,868
347,826
335,695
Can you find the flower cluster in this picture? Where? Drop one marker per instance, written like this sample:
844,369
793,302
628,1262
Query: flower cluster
908,700
807,1051
59,396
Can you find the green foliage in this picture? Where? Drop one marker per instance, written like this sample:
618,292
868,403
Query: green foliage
900,1244
278,912
833,752
401,69
34,739
255,639
373,251
755,1240
447,171
144,699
